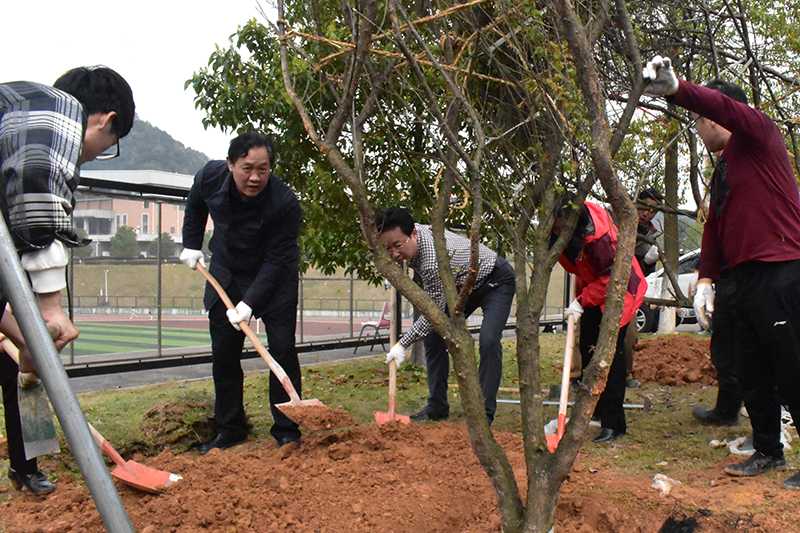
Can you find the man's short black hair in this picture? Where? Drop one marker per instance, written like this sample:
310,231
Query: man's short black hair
251,139
101,90
395,217
728,89
651,194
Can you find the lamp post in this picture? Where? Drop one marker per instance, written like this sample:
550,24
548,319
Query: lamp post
105,278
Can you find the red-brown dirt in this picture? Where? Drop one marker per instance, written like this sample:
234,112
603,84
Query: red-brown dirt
415,479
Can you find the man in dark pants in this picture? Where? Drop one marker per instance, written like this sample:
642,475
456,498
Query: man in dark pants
493,292
46,134
753,225
255,258
723,345
647,256
590,257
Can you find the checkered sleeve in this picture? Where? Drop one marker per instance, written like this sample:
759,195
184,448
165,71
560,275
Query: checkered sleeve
427,266
41,136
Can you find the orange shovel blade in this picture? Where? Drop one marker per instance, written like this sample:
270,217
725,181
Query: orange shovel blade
383,417
143,477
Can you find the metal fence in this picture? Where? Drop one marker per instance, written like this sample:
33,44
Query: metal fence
150,312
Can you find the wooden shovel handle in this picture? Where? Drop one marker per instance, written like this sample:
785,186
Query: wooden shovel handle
271,363
392,378
106,447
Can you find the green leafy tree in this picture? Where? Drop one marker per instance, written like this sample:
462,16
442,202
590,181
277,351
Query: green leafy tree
168,246
473,115
124,244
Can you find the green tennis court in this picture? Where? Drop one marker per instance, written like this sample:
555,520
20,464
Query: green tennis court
100,338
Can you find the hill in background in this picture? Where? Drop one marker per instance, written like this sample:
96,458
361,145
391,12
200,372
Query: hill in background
149,148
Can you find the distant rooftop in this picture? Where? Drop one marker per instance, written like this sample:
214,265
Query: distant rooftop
144,183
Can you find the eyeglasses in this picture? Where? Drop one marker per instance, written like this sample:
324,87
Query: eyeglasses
398,246
111,153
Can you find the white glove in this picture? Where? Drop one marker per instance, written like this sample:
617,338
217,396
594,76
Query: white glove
652,255
703,303
398,353
190,258
242,313
575,309
660,77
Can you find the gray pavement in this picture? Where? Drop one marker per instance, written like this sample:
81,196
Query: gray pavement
139,378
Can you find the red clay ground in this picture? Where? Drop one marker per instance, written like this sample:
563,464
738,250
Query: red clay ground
415,479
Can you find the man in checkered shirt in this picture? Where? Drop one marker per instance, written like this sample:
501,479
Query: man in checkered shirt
46,133
493,292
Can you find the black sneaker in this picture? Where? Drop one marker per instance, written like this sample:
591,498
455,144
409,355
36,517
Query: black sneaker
426,414
758,463
793,482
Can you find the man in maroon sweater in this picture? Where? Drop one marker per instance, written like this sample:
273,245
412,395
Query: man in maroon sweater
754,223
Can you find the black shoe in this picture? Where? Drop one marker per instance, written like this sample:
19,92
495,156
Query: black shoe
631,383
607,435
758,463
793,482
222,441
426,414
285,441
36,483
714,417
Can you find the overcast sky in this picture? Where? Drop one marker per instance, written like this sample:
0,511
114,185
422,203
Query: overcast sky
155,45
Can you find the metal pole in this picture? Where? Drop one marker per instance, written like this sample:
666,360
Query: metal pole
105,277
158,261
352,303
302,308
65,403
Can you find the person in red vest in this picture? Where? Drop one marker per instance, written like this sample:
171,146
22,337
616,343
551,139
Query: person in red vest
590,256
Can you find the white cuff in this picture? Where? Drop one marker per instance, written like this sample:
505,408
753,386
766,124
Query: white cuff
49,280
47,267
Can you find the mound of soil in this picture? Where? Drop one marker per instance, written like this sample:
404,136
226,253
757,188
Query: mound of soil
393,478
675,360
418,478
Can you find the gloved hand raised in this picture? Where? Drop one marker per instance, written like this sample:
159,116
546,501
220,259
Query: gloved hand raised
575,309
242,313
190,258
398,353
652,255
704,302
660,77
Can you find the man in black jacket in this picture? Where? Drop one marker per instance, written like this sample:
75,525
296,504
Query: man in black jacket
255,258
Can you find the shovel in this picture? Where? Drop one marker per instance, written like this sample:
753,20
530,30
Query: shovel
553,440
38,429
132,473
311,414
381,417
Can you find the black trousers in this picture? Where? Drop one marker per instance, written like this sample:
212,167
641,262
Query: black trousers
767,322
16,448
723,344
609,407
226,367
